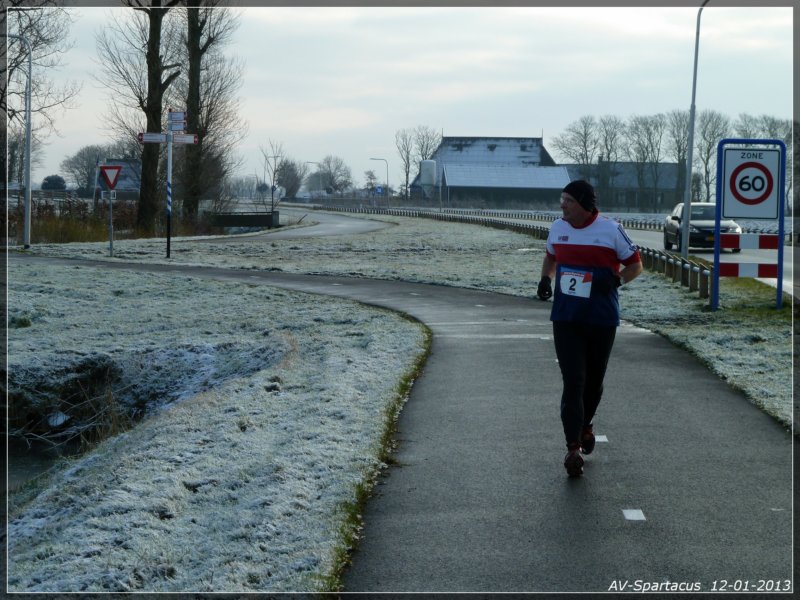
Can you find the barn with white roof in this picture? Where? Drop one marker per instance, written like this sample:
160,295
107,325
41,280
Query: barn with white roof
492,172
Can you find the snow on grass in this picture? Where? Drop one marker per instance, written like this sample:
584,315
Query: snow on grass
428,251
283,462
237,481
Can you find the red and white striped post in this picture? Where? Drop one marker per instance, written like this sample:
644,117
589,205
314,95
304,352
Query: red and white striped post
749,241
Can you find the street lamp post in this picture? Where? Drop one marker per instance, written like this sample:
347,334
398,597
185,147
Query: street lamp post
687,191
387,177
26,232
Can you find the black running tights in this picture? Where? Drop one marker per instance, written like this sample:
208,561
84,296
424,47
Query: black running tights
582,352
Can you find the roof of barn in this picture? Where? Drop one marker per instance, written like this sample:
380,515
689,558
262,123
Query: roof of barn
505,176
510,151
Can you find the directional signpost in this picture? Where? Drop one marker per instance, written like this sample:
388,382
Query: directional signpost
152,138
751,174
176,125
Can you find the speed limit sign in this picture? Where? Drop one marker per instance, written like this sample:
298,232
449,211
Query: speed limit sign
751,183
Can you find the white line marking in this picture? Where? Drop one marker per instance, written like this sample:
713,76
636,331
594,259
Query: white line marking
490,336
600,438
633,514
481,305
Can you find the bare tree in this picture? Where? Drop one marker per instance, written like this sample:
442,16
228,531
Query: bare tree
370,181
140,80
46,28
207,29
336,173
81,166
579,143
712,126
290,175
426,141
637,151
657,126
273,157
404,142
13,151
610,139
747,126
677,145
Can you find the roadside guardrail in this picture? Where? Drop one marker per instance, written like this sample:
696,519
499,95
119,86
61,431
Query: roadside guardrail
695,276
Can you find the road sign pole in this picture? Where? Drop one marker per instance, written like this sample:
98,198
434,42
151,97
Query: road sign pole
169,189
781,213
110,226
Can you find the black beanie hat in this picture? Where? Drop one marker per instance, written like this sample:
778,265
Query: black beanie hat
583,192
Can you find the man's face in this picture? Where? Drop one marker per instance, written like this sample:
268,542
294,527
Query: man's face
574,213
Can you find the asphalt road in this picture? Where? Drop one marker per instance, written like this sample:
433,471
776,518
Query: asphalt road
693,486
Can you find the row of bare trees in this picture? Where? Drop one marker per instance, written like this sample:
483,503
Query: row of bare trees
158,55
162,56
650,140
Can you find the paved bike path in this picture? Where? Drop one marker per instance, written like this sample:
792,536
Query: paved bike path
479,500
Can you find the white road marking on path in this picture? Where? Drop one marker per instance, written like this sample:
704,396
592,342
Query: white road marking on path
600,438
495,336
633,514
448,323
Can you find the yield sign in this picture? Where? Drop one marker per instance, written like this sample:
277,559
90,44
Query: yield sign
110,174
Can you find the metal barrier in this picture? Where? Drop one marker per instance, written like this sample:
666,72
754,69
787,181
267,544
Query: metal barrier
697,277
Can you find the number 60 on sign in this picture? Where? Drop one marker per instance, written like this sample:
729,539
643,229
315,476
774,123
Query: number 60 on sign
751,183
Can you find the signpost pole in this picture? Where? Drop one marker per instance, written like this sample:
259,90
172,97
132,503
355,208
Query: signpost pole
110,176
175,135
110,225
169,190
782,213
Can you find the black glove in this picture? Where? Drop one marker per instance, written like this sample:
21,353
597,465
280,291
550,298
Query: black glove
545,289
605,283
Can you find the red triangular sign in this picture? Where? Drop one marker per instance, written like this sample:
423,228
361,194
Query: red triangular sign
110,174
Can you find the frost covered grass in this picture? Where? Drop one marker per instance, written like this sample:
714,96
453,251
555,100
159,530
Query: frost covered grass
241,477
254,477
455,254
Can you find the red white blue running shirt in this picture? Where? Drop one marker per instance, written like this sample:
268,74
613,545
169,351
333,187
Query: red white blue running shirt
582,255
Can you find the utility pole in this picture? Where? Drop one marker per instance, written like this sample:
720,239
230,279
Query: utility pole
687,192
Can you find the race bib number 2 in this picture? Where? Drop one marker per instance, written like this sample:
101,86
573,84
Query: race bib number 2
575,282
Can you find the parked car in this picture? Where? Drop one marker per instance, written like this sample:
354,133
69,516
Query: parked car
701,226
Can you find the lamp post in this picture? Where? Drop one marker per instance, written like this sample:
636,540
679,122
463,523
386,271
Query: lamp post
387,177
26,235
687,192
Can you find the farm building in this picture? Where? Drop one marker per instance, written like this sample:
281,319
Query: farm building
491,172
494,172
633,186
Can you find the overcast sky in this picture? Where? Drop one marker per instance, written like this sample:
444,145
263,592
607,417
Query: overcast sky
342,81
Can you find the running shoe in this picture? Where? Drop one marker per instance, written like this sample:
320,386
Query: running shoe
573,462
